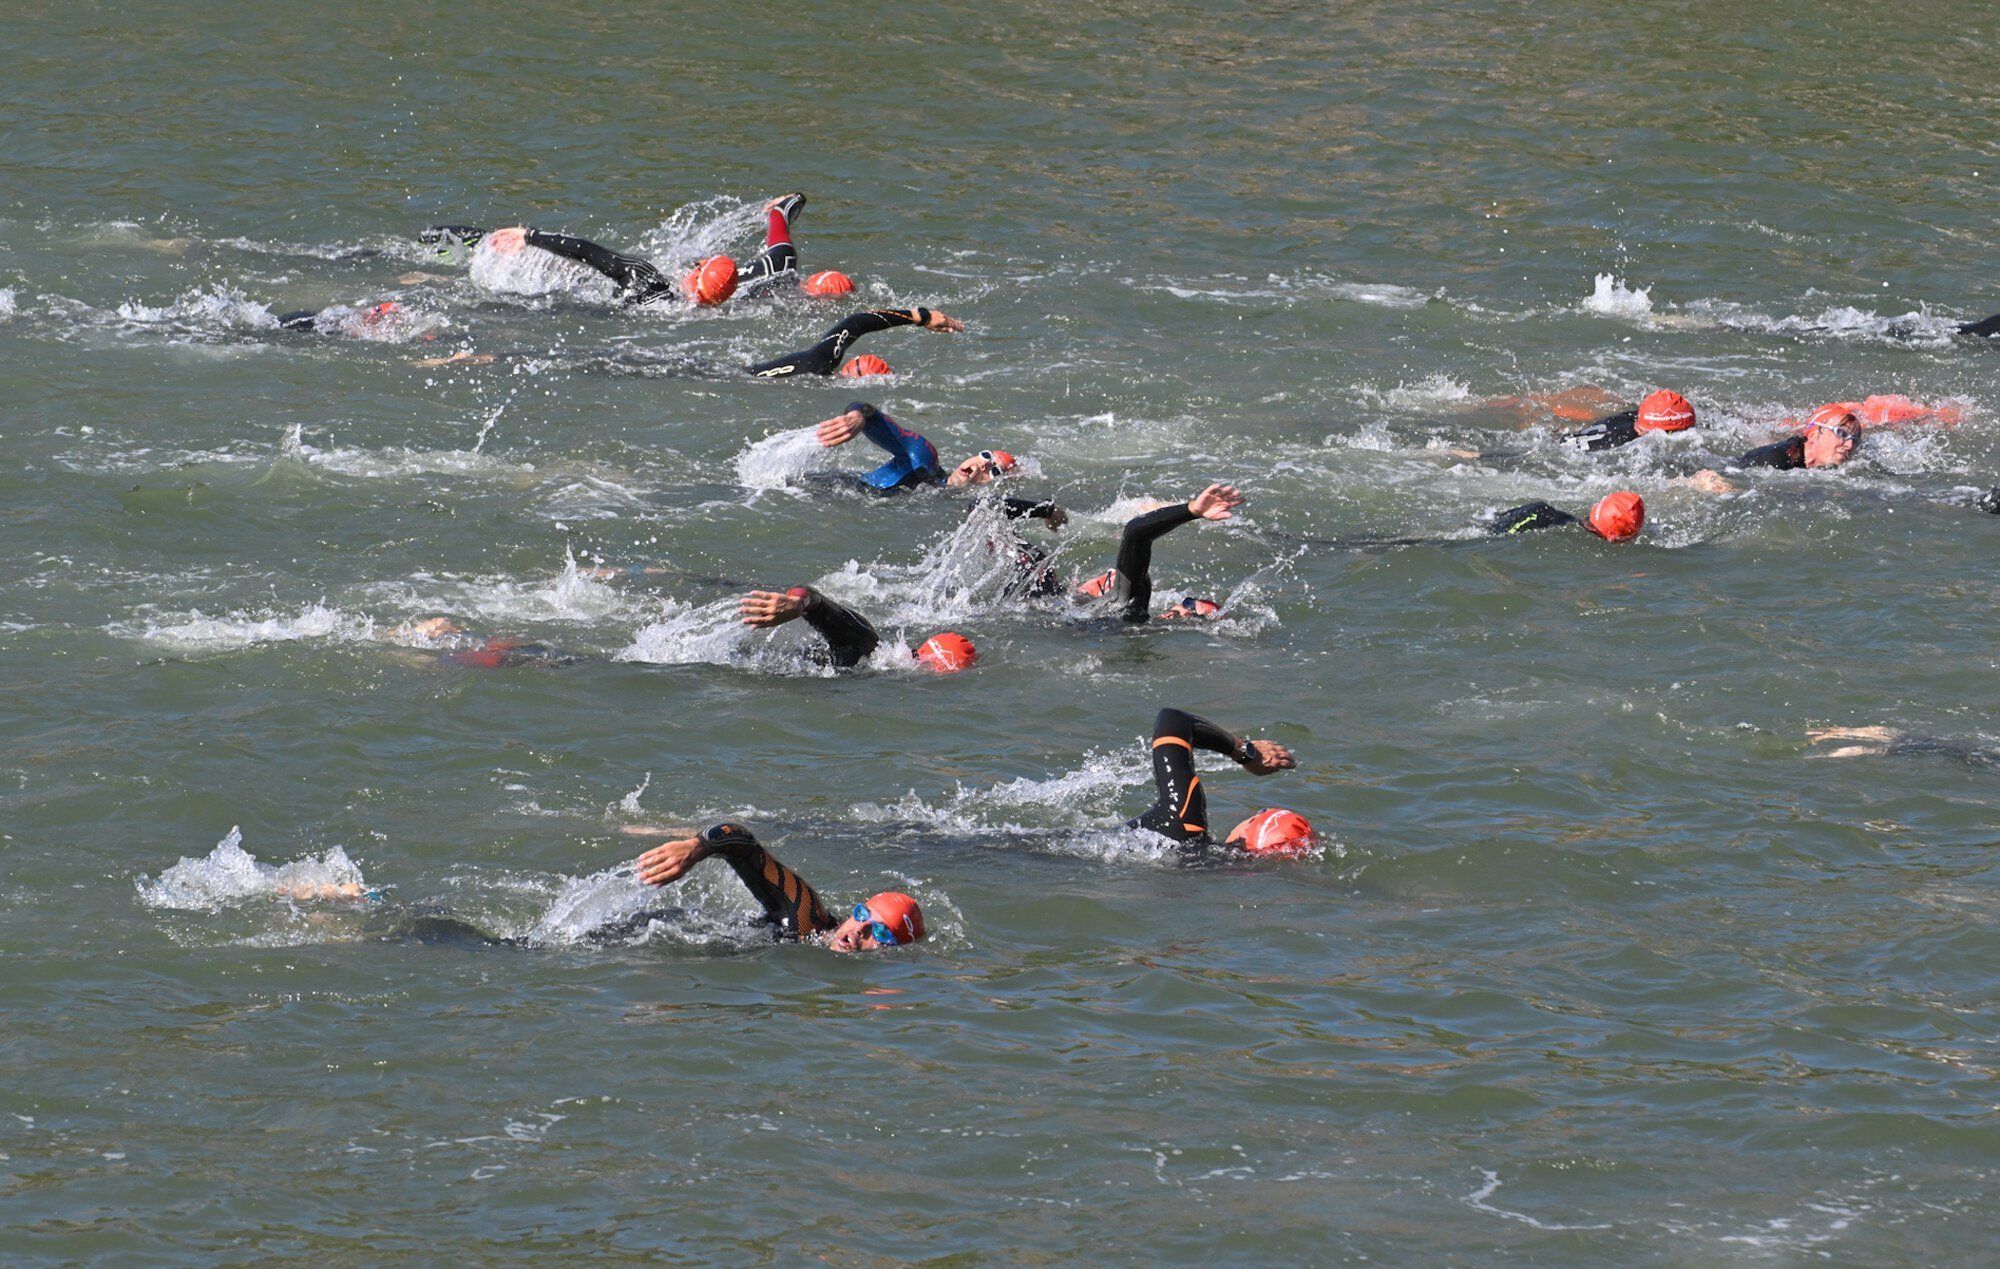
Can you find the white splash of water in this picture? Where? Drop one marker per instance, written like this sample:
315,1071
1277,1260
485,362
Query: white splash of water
199,632
229,874
780,459
1612,298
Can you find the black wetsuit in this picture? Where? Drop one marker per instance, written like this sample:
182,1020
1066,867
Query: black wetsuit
1529,517
1608,432
1971,755
1989,329
1785,455
639,281
1132,577
824,357
791,909
850,639
1180,810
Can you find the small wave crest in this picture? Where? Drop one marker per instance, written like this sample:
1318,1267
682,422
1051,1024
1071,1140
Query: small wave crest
229,874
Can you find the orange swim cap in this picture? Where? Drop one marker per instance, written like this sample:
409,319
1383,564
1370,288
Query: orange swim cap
1618,517
864,365
827,284
712,282
1098,586
1273,832
1665,411
1000,458
947,653
900,913
1838,414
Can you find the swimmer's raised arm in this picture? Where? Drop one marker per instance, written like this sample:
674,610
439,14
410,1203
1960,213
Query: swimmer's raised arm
849,636
788,902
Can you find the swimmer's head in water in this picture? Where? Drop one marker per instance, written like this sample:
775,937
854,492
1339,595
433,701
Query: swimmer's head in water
864,365
1192,609
1099,586
987,464
376,314
889,919
828,284
712,281
1831,435
947,653
1618,517
1665,411
1274,831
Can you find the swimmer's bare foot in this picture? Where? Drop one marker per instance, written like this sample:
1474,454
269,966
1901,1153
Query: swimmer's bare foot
428,628
320,891
418,279
1879,735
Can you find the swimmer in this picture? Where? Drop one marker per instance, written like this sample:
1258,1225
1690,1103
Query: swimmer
1663,411
1129,583
823,358
340,319
1871,742
480,654
1180,812
791,909
913,462
1829,439
1617,517
1988,329
639,281
850,639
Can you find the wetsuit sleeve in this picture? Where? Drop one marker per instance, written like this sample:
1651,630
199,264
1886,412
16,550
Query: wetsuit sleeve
1609,432
1180,809
824,357
1528,517
849,636
789,903
636,279
1784,455
304,319
1989,328
910,454
1134,588
1028,508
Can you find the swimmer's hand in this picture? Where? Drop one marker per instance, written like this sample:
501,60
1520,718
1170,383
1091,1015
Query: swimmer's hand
944,322
1056,518
1710,481
765,608
508,241
670,861
1217,502
1460,451
840,429
462,356
1881,735
1262,757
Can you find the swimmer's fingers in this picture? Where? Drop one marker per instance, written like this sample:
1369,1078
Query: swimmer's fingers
1267,756
1217,502
838,430
669,861
944,322
508,241
768,608
1460,451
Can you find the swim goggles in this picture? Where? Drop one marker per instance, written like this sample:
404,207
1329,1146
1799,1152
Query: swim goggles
881,933
993,467
1841,430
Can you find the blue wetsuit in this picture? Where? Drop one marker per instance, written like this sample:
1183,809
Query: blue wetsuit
913,460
